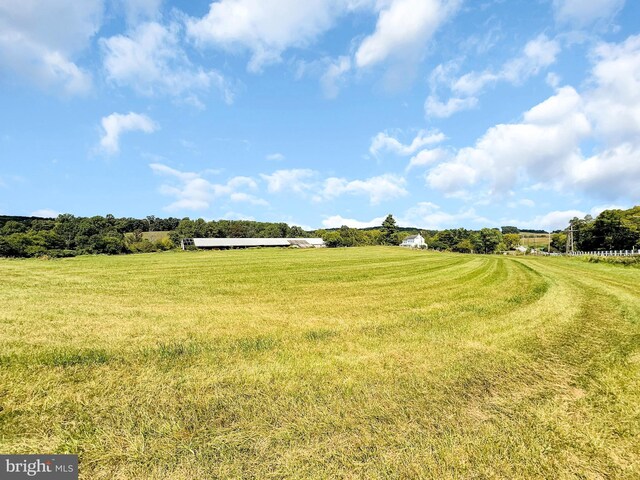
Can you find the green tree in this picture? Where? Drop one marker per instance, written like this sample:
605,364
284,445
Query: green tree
511,240
464,246
559,242
490,238
389,229
12,227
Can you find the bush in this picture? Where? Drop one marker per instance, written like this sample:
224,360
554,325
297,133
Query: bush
624,261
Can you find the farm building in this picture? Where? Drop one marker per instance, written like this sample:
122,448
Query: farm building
414,241
223,243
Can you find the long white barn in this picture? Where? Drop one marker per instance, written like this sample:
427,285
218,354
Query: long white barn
252,242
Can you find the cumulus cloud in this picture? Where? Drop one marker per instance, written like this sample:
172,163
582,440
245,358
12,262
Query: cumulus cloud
428,157
151,61
192,191
265,28
333,77
45,213
581,14
555,220
402,29
546,145
379,188
430,216
611,174
294,180
230,215
306,182
36,45
275,157
337,221
384,142
116,124
538,54
433,107
140,10
614,104
542,145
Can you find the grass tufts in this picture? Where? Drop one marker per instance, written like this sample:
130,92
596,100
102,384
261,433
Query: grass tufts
69,357
320,334
261,343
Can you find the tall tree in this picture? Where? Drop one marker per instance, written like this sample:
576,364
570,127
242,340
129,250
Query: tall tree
490,238
389,229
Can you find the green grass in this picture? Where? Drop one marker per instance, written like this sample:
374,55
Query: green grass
155,236
347,363
534,240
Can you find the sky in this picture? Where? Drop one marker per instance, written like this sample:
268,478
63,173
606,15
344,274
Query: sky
321,113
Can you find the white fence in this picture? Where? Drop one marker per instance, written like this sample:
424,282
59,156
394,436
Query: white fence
610,253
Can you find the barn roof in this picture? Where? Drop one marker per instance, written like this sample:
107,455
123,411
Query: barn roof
256,242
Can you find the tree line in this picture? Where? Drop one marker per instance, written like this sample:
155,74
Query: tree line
68,235
611,230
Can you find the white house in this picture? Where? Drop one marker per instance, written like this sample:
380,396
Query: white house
414,241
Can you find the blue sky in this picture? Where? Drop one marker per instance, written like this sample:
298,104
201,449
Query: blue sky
321,113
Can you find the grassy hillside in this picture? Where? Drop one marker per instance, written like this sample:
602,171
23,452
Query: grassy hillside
347,363
155,236
534,240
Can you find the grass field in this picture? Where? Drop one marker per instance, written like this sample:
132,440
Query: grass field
336,363
534,240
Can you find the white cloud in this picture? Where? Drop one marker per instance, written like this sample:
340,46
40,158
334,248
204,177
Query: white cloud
294,180
402,30
140,10
383,142
538,54
193,192
116,124
555,220
430,216
306,182
541,145
452,177
582,13
382,187
336,221
45,213
611,174
333,77
151,61
523,202
37,45
545,147
237,216
275,157
265,28
433,107
428,157
614,104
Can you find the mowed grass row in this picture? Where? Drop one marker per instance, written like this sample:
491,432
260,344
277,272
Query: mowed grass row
346,363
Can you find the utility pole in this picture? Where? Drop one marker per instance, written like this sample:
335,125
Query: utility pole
570,239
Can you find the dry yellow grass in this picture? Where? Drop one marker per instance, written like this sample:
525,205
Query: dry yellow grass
349,363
